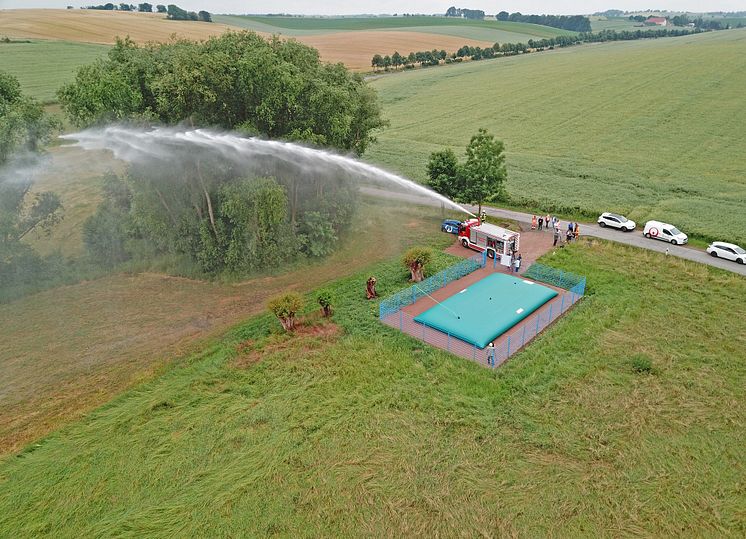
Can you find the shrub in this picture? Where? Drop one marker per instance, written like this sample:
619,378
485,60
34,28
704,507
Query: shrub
285,307
324,297
415,259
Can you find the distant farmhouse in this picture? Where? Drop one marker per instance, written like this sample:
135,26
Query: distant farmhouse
656,21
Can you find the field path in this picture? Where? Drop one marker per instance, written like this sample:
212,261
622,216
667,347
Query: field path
635,238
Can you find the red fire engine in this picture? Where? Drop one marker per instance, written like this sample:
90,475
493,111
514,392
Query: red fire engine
495,240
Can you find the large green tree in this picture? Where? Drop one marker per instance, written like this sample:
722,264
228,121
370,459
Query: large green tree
484,171
275,88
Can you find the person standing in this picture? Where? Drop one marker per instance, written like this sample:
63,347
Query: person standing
533,223
556,236
576,230
541,222
517,264
491,354
569,235
546,220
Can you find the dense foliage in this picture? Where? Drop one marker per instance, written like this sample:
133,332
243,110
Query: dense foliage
274,88
23,127
573,23
201,212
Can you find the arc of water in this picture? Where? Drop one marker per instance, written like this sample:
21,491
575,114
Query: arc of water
133,144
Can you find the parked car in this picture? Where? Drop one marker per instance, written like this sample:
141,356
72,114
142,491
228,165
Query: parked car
614,220
451,226
664,231
728,251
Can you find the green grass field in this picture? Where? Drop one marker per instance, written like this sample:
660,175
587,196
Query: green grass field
654,129
483,30
43,66
369,432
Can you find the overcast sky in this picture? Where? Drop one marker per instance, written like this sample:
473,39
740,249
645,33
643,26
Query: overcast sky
340,7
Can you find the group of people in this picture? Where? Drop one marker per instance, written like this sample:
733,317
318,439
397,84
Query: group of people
551,222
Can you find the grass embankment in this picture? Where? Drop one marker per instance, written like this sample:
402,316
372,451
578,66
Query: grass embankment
371,432
43,66
628,127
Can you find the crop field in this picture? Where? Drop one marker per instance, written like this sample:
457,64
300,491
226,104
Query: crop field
94,26
355,50
71,348
353,428
43,66
630,127
492,31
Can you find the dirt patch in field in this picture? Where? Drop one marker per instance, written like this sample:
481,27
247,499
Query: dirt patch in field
309,334
354,49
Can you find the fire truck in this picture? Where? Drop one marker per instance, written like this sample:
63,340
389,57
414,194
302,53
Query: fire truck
495,240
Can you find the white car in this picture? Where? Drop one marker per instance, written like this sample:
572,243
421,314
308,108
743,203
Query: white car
664,231
614,220
728,251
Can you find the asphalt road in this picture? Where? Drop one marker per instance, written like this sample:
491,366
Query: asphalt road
634,238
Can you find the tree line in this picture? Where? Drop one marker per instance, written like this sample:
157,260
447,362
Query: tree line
573,23
432,58
474,14
172,11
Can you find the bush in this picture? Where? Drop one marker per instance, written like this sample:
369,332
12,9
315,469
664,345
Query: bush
324,297
415,259
285,307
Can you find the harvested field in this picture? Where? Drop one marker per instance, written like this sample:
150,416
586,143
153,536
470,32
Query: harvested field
93,26
354,49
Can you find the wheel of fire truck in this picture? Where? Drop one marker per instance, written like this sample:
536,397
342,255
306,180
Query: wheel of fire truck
465,243
490,253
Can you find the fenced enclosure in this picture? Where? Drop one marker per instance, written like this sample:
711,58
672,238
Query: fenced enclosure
507,344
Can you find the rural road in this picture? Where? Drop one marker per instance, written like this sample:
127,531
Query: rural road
634,238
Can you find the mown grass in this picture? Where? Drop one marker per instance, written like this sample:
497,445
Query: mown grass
373,433
652,129
337,24
43,66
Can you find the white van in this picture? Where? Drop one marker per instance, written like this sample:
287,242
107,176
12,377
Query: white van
665,232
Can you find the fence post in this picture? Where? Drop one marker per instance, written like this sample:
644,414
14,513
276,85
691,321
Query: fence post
448,346
508,354
423,332
401,320
550,314
474,352
484,258
523,339
538,317
562,305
